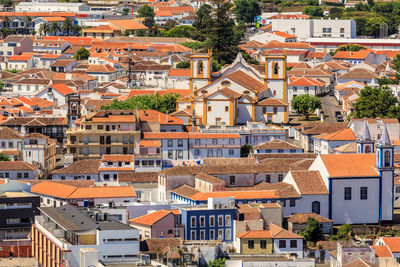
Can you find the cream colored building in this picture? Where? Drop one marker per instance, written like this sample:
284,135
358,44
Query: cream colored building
104,132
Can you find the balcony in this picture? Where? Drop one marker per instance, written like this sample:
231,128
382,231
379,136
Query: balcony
148,156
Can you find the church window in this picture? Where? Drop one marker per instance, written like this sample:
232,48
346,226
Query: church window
315,207
200,67
387,158
364,192
347,193
275,71
367,149
226,108
209,108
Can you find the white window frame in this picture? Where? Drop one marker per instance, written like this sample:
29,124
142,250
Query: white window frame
212,234
227,220
204,234
220,234
228,233
191,221
222,217
204,220
209,221
192,234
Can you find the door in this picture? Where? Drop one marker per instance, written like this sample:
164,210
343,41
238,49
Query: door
218,121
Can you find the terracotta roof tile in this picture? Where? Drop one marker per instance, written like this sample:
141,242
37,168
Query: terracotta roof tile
276,144
122,158
360,263
209,178
273,102
137,177
341,135
150,143
303,217
309,182
255,234
150,218
393,243
359,73
382,252
86,166
350,165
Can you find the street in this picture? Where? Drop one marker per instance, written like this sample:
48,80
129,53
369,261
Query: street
329,106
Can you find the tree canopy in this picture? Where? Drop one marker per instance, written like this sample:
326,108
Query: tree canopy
313,231
4,157
82,54
376,102
146,12
313,11
246,10
305,104
164,103
350,47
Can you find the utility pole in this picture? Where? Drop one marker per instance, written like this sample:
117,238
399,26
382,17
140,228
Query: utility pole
129,67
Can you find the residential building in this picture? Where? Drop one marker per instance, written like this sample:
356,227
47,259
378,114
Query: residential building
104,132
273,240
85,169
60,236
15,45
303,85
53,7
159,224
360,75
57,194
18,170
20,62
213,221
111,165
17,213
277,146
298,223
326,143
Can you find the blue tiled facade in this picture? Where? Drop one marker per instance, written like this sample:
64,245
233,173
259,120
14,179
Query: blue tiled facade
207,224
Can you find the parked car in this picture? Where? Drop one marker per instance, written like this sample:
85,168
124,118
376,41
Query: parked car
338,116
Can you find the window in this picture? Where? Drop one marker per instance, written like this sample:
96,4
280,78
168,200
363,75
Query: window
268,178
88,127
263,244
19,175
397,189
212,234
250,244
292,203
180,143
180,154
315,207
3,144
275,110
193,235
26,175
100,127
202,234
280,177
276,68
170,154
387,159
231,152
221,234
215,141
347,193
202,221
226,108
292,150
280,150
193,221
220,220
137,162
228,220
228,234
231,180
364,192
197,152
10,144
212,221
294,88
209,108
293,243
341,30
170,143
106,177
282,243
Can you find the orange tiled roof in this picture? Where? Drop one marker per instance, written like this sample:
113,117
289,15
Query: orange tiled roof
179,72
303,81
53,189
151,218
19,58
128,24
350,165
156,116
393,243
255,234
198,135
382,252
362,54
284,34
346,134
63,89
295,45
115,118
50,19
150,143
124,158
165,135
85,41
260,194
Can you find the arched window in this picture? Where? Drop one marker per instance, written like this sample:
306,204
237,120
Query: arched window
387,158
276,68
367,149
200,67
315,207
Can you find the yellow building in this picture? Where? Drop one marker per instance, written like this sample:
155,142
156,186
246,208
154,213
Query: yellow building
256,242
104,132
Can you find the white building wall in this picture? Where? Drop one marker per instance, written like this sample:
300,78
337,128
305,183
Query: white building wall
288,249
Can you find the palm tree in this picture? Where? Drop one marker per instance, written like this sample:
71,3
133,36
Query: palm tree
28,19
44,29
54,27
67,25
77,29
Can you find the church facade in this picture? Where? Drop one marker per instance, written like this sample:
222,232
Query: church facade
238,93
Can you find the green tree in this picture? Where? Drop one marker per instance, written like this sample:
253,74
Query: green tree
183,65
82,54
373,26
350,47
184,31
345,232
4,157
396,65
28,20
313,231
203,20
6,3
195,45
67,25
164,103
313,11
44,29
245,150
246,10
146,12
217,263
55,28
336,12
248,58
224,36
376,102
140,32
305,104
125,11
76,29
